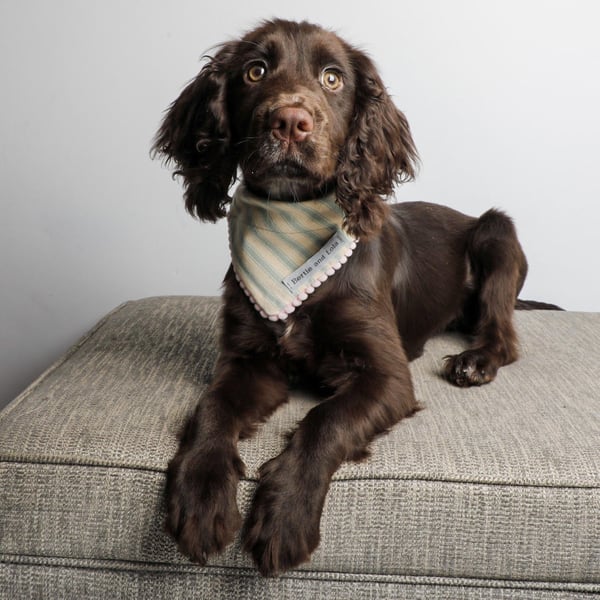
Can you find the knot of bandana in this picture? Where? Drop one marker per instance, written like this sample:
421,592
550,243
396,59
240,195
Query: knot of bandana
282,251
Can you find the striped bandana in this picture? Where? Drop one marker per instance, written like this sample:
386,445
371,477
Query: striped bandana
282,251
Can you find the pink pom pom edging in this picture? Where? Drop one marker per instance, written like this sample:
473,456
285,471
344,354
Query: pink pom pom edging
305,292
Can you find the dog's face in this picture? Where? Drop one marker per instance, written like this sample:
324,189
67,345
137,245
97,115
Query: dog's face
290,101
300,112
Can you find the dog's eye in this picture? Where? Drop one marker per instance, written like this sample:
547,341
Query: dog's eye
331,79
255,72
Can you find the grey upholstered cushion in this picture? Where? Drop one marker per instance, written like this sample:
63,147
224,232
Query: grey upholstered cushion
490,492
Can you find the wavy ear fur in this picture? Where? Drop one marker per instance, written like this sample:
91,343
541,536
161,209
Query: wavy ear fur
379,153
195,136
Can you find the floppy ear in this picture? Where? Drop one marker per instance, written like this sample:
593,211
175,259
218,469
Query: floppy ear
379,152
195,136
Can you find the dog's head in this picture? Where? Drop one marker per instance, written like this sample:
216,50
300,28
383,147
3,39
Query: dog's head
300,112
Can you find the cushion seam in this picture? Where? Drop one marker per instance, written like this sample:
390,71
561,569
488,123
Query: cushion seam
302,575
416,478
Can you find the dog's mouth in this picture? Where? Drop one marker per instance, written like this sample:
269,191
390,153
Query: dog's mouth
288,169
288,182
272,164
285,178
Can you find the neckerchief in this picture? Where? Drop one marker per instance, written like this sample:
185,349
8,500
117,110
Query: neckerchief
281,251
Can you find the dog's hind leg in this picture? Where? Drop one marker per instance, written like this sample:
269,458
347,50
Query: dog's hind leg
498,268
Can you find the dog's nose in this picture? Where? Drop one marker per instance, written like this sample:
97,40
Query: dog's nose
291,124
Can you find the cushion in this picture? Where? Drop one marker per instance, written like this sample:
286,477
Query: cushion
490,492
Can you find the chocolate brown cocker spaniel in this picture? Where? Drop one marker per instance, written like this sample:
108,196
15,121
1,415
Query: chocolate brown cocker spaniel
328,283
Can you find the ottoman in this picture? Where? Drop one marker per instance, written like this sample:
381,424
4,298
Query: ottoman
490,492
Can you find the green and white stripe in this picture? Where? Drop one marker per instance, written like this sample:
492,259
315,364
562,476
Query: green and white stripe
282,251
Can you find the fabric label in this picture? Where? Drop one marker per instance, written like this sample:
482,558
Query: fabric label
315,264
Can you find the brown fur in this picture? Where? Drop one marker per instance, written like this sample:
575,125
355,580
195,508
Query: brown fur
418,269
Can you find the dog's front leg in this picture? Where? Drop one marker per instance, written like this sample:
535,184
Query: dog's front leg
365,364
202,478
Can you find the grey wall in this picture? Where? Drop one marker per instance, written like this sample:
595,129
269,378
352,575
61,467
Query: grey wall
503,99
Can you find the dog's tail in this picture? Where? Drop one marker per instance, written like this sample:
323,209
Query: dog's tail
535,305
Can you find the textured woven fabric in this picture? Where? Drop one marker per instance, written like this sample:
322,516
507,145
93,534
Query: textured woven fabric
491,492
62,580
282,251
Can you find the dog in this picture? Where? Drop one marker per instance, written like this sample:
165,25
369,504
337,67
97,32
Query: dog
328,283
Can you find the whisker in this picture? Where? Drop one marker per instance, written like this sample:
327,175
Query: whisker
247,139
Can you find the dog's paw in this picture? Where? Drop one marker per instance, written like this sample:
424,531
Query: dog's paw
282,529
472,367
202,512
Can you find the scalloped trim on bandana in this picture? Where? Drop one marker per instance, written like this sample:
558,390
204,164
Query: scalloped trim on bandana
282,252
305,291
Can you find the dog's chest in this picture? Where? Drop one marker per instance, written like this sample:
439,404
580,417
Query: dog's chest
295,339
